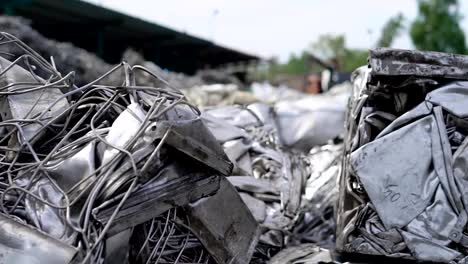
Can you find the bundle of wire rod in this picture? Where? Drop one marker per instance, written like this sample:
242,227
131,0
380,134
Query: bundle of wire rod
167,239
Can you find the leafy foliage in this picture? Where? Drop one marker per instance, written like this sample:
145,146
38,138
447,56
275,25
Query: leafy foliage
437,27
297,64
330,47
392,29
354,58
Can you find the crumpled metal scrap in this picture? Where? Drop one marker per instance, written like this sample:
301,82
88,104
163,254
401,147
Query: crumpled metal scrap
291,194
178,80
304,253
317,223
265,163
110,174
314,119
271,94
270,180
299,124
111,169
404,178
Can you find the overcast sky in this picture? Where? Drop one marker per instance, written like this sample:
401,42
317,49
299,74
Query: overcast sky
275,27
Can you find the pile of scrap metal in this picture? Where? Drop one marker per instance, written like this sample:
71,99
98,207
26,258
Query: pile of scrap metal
110,164
405,169
284,166
303,121
215,95
299,123
312,120
99,173
271,94
67,58
178,80
290,193
317,224
89,66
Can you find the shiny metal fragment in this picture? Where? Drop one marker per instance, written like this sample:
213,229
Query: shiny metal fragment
178,183
229,237
20,243
304,253
35,107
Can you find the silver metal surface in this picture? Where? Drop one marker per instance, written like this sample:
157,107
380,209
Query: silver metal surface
22,244
404,172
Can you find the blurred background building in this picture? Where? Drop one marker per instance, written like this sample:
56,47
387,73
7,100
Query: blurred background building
109,33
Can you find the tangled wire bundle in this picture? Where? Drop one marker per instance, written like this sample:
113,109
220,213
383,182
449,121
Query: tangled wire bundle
66,150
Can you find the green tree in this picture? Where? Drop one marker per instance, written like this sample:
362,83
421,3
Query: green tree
329,47
354,58
391,30
295,64
437,27
332,48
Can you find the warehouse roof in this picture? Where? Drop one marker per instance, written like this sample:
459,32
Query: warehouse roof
109,33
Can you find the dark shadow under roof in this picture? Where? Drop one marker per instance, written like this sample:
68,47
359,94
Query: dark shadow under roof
108,33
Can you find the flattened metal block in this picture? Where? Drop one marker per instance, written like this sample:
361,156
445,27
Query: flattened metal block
194,139
256,206
224,225
175,185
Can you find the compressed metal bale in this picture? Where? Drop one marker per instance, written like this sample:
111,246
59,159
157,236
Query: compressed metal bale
402,186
